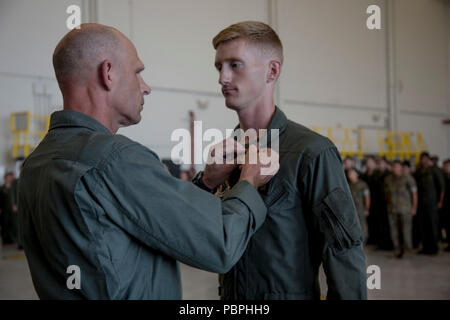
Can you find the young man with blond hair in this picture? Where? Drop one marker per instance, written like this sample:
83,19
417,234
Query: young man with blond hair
311,216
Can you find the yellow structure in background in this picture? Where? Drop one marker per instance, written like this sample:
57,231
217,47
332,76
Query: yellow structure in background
400,144
27,130
348,141
391,145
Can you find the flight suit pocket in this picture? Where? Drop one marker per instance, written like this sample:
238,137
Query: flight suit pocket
338,220
274,196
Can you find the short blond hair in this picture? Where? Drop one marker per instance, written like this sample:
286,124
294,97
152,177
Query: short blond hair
255,32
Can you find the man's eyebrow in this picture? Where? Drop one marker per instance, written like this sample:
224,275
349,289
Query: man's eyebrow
227,60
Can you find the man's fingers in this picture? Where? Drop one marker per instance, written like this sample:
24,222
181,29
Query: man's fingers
251,156
233,148
228,148
231,152
238,147
268,156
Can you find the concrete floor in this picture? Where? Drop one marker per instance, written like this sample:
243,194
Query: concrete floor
415,277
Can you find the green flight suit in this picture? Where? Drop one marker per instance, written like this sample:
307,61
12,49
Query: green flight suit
105,204
311,220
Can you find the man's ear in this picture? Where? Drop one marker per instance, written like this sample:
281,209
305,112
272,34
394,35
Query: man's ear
106,74
274,71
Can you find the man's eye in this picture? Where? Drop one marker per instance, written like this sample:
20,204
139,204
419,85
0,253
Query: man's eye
235,65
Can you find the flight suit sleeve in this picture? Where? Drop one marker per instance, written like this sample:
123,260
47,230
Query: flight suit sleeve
336,222
174,216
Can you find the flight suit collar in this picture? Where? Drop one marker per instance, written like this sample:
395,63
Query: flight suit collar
71,118
279,121
276,127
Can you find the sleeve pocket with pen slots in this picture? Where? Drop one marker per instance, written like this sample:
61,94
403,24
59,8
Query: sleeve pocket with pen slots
338,221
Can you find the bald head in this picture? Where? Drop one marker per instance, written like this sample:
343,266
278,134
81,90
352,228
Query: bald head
99,74
82,50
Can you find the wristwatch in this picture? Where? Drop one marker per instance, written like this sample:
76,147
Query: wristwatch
198,181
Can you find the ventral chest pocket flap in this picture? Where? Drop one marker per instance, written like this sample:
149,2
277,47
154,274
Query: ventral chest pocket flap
273,192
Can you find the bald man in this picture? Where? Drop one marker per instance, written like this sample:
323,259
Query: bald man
100,217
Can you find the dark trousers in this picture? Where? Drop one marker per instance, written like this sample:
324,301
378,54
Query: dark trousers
372,227
443,224
9,227
416,232
428,220
384,231
446,222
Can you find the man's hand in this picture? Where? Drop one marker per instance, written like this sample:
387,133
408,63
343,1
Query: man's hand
413,211
222,160
259,167
366,212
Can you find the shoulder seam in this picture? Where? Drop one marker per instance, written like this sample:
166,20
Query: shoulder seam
113,154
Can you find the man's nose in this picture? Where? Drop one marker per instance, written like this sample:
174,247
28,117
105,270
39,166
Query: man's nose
224,76
146,89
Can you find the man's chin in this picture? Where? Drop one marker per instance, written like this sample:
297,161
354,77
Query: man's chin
232,106
138,119
135,120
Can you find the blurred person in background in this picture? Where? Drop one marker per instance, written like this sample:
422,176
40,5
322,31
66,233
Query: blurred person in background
430,185
415,219
406,165
371,178
361,197
384,234
446,204
184,175
348,163
9,209
435,162
441,224
401,198
383,165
